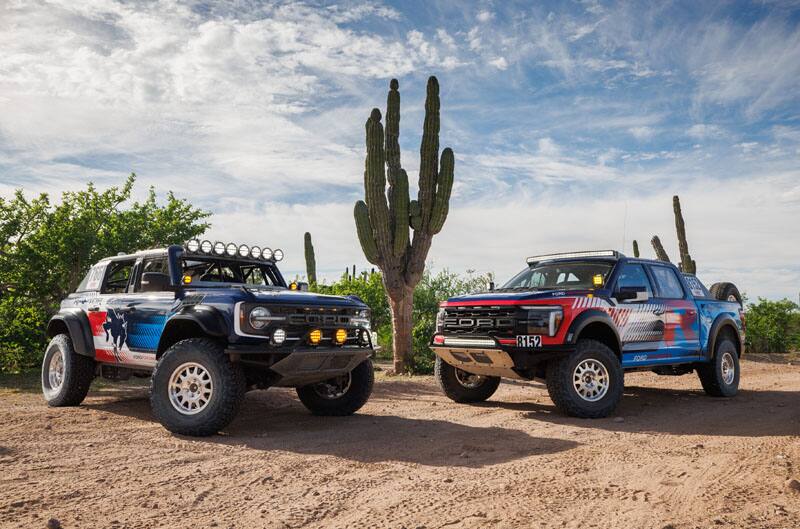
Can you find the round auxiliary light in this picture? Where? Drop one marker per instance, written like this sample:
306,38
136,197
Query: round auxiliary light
266,253
315,336
255,252
193,245
219,248
231,249
341,336
244,251
206,246
279,336
277,254
365,337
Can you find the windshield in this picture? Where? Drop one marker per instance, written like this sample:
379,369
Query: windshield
572,275
223,271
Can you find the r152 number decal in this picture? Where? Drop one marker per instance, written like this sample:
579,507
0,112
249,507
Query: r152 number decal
529,340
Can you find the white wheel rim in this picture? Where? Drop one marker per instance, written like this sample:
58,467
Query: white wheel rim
334,388
469,380
590,380
55,370
190,388
728,368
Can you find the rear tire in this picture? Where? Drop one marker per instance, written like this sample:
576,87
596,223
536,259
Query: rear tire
195,389
726,292
588,383
340,396
720,377
461,386
66,375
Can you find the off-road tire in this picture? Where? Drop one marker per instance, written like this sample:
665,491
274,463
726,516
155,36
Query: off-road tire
445,375
562,390
362,378
228,384
726,292
711,373
78,373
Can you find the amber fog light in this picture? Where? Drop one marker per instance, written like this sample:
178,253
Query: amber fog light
315,337
341,336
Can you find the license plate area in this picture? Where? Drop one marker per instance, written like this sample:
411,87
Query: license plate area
529,341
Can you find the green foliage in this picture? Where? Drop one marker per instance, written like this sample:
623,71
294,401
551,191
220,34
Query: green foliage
772,326
431,290
47,247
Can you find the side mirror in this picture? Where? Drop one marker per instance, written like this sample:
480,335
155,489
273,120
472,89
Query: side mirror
155,282
302,286
632,294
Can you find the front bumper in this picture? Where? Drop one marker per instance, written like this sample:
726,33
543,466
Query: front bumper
306,365
486,356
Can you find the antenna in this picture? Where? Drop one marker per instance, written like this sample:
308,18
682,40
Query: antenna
624,226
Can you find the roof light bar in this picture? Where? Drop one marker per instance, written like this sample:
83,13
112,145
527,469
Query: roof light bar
572,255
277,254
219,248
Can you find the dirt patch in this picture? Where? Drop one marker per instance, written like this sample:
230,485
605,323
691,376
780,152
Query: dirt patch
671,457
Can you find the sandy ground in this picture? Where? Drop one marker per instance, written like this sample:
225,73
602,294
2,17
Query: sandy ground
670,458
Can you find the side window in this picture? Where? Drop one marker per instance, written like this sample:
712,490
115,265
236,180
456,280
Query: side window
118,276
633,275
93,279
152,265
668,284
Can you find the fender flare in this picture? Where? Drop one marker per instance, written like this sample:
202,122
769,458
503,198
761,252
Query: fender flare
721,321
80,332
209,319
588,317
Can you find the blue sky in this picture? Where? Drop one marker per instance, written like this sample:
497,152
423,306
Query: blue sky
573,123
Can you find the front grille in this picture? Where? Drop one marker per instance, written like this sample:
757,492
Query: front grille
491,321
315,316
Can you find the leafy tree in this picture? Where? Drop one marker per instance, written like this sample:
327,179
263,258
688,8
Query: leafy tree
772,326
47,247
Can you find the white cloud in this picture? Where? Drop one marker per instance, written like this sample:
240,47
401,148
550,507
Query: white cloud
642,132
500,63
702,131
485,16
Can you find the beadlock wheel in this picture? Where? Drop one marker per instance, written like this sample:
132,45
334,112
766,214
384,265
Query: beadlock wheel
334,388
55,371
469,380
590,379
190,388
728,368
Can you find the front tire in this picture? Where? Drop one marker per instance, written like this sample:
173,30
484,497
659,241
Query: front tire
195,389
720,377
66,375
461,386
588,383
342,395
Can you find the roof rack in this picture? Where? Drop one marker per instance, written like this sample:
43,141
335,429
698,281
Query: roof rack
570,255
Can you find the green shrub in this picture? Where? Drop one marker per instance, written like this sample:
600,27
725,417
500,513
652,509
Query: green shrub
772,326
21,334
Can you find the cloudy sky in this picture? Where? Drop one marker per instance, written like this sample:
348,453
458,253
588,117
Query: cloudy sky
573,123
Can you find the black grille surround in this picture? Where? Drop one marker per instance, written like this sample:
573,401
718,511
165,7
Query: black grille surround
483,321
301,319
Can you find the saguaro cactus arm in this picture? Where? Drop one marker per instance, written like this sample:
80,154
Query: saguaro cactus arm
635,248
687,264
661,254
311,261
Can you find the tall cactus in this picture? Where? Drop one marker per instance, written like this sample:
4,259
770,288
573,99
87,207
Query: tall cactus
661,254
687,263
383,228
635,248
311,261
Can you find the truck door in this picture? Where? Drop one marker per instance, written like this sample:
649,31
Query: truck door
640,323
681,322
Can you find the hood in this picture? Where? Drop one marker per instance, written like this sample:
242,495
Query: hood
304,298
487,297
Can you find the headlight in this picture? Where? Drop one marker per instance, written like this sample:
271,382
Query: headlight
259,317
361,319
543,319
440,320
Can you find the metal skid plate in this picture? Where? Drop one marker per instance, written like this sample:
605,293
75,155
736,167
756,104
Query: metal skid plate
487,362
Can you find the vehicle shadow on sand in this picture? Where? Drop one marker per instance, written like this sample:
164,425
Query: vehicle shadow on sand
683,412
274,420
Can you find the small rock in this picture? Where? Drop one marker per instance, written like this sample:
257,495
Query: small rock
464,455
448,480
52,523
793,484
699,446
619,419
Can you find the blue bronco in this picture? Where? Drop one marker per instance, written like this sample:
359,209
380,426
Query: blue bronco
580,321
206,321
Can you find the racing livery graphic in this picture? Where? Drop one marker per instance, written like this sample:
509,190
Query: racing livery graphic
580,320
